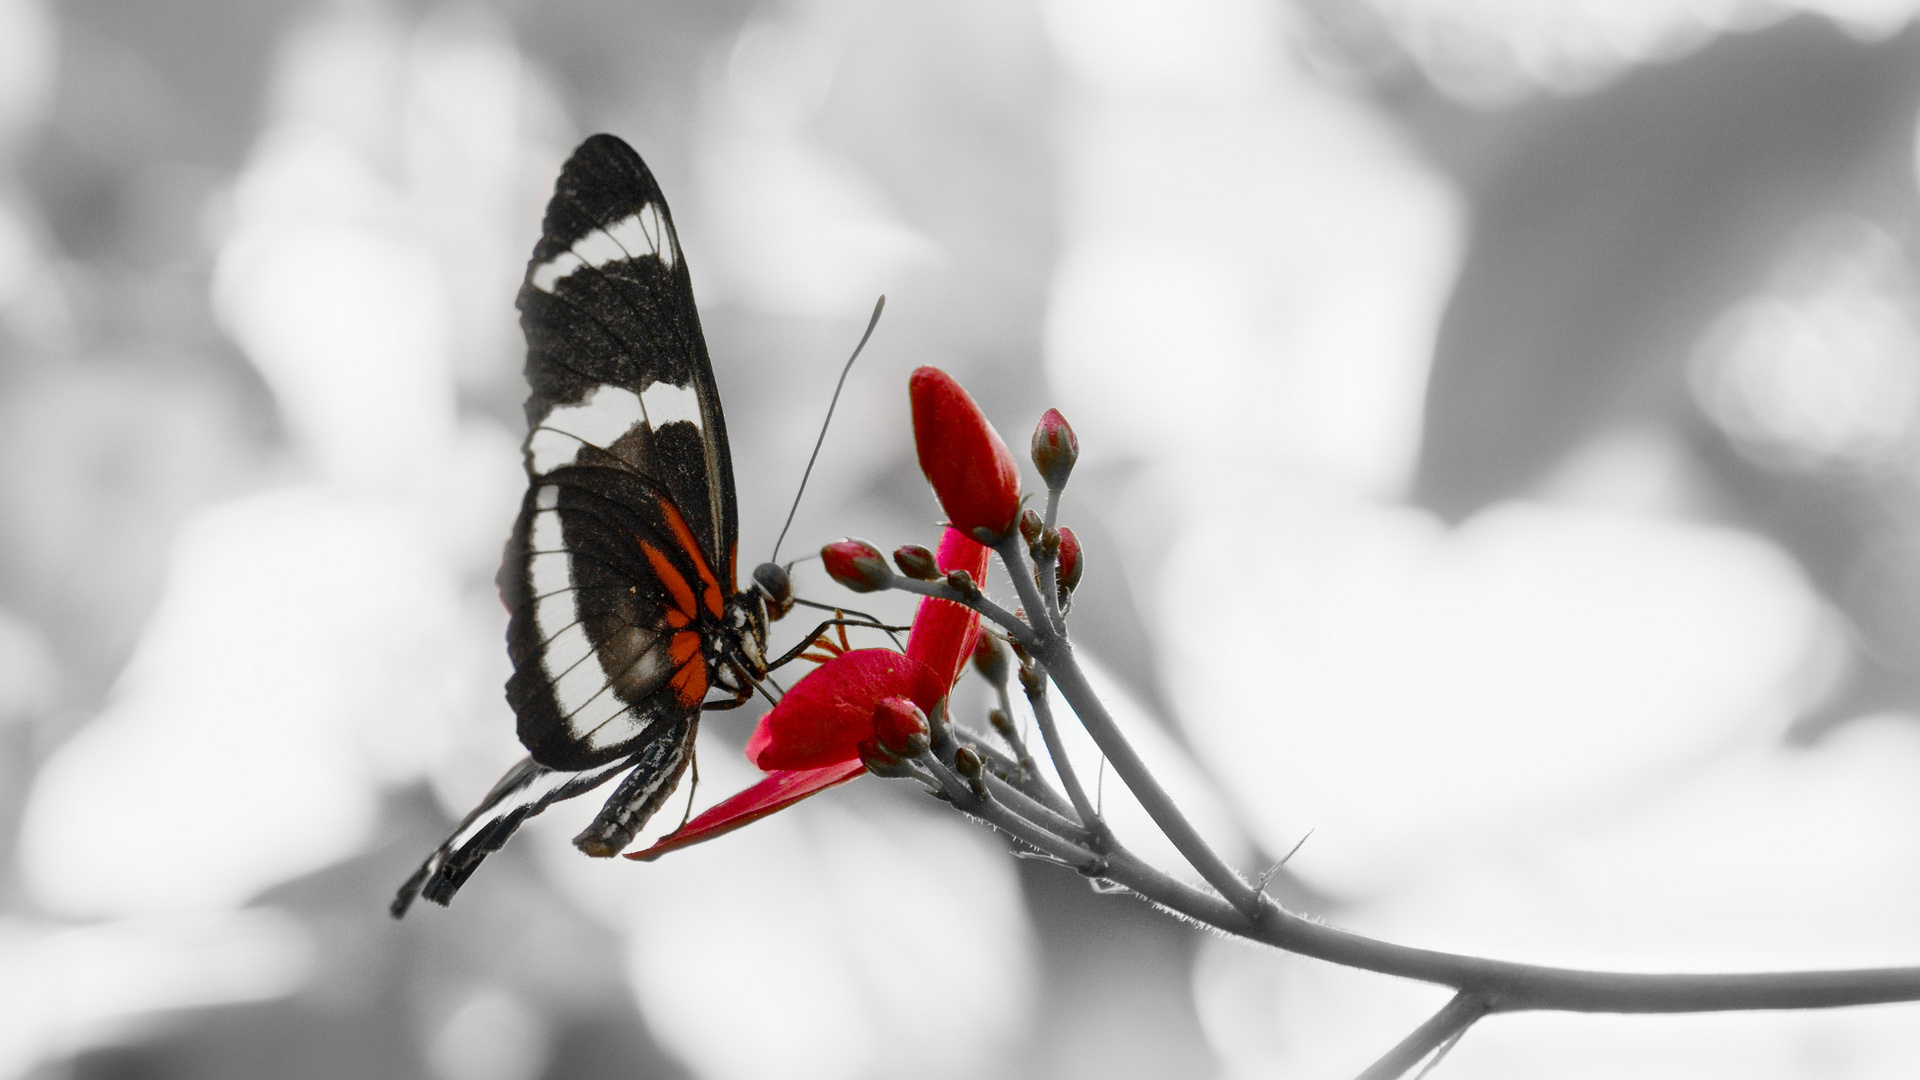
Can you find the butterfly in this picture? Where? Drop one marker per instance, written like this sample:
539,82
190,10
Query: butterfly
619,576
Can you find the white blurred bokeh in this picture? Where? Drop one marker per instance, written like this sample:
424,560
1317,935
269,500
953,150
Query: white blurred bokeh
1499,469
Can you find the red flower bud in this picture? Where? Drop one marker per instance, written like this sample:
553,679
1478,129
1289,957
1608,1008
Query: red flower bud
1030,525
1055,449
970,469
1071,563
901,727
880,761
856,564
917,562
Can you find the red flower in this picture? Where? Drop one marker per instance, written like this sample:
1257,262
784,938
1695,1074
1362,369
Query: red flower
811,740
970,469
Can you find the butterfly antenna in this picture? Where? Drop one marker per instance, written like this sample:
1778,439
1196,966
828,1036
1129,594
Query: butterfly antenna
817,443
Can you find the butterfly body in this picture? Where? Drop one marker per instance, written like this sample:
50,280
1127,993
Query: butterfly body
620,574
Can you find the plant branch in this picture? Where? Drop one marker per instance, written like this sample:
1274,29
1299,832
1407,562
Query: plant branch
1002,723
1238,908
1049,571
1496,985
1037,812
940,590
980,803
1033,787
1063,765
1441,1028
1512,987
1057,654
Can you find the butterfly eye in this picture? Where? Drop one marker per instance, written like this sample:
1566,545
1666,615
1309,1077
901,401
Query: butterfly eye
773,581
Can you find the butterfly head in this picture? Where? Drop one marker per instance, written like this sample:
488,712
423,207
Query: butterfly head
770,580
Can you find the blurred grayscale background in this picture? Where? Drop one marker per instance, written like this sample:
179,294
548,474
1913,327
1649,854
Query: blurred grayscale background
1500,460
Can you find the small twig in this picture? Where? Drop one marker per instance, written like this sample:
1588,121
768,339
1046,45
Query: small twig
939,590
984,806
1062,764
1056,652
1049,571
1033,810
1440,1055
1441,1029
1002,721
1050,584
1033,787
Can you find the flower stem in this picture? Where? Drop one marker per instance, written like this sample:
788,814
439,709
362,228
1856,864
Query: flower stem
984,806
1035,811
1441,1028
1139,780
1511,987
1495,986
1011,735
1056,652
1033,787
1003,618
1049,573
1069,779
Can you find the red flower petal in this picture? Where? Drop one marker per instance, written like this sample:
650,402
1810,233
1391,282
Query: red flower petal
777,792
944,632
964,459
822,720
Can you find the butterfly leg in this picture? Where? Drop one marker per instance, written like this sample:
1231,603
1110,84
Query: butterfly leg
692,787
657,770
813,639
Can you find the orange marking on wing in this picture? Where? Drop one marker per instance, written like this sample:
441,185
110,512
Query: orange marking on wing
684,537
671,577
684,646
690,683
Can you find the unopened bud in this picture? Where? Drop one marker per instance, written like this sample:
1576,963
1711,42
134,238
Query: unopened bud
1001,722
1030,525
878,761
901,727
962,582
971,470
1072,564
857,565
990,658
966,762
1030,680
916,562
1055,449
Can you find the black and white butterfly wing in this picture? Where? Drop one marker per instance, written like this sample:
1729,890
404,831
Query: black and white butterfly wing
631,507
615,356
621,563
